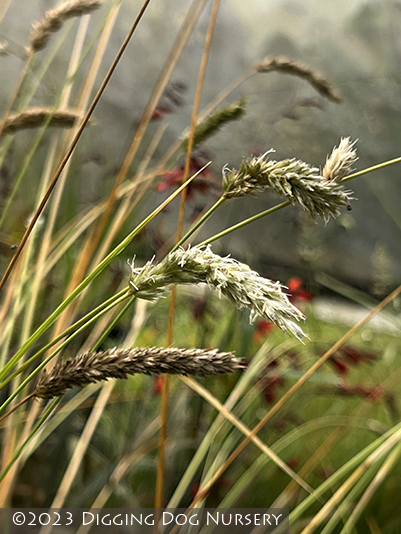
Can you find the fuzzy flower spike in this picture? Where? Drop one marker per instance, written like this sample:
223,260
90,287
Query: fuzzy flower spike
299,182
235,280
339,163
118,363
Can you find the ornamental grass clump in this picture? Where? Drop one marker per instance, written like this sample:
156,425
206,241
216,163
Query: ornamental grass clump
119,363
235,280
299,182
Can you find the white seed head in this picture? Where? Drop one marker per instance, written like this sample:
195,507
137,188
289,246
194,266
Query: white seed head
340,161
294,179
235,280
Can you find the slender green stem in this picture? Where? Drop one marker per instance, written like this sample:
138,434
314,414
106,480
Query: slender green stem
342,510
25,166
371,169
276,208
70,330
341,472
245,222
40,422
55,352
94,274
113,323
199,223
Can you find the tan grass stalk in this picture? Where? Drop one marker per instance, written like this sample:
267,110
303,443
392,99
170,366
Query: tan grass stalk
180,221
229,416
80,449
339,163
73,144
55,18
289,66
35,117
116,363
279,404
177,48
299,182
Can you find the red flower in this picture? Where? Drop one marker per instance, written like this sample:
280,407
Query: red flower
160,112
174,177
293,462
271,382
262,328
297,291
348,355
339,365
374,393
357,355
171,99
199,307
195,487
157,385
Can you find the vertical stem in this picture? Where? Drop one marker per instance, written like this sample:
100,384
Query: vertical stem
72,145
165,382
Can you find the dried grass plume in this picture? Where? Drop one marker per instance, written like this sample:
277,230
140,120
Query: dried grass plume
289,66
299,182
34,117
55,18
339,163
117,363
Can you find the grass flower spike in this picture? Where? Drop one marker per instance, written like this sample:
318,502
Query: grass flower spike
289,66
35,117
339,163
215,121
299,182
235,280
91,367
55,18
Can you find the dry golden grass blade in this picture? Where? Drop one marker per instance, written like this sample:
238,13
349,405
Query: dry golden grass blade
338,496
178,46
211,399
57,199
165,380
72,145
143,446
81,447
129,203
379,478
202,493
38,272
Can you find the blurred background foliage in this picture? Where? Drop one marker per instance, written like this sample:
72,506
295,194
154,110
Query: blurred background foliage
357,46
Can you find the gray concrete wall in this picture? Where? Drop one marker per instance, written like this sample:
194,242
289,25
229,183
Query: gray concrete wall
357,45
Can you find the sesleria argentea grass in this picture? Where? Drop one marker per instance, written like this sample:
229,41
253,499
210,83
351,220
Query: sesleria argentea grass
96,308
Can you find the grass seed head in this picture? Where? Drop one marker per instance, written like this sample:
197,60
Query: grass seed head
55,18
339,163
235,280
119,363
299,182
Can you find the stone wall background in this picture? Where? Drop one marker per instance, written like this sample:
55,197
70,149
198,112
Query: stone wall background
357,45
